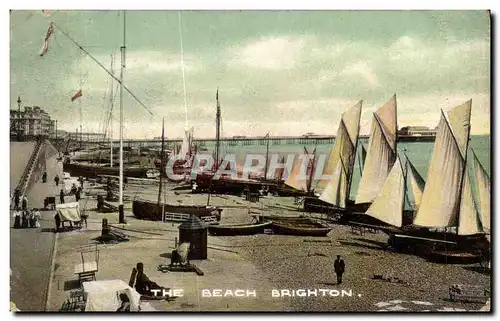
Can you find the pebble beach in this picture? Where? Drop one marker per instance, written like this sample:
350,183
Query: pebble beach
275,272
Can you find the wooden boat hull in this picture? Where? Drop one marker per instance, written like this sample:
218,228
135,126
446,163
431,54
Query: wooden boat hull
90,171
205,183
239,229
425,242
147,210
298,230
313,204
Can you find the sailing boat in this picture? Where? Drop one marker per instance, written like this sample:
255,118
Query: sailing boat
381,153
94,166
446,212
340,165
158,211
208,181
380,157
299,182
483,188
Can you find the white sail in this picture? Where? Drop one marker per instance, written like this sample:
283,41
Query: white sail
297,178
469,221
439,205
388,205
483,191
381,152
417,183
335,191
345,144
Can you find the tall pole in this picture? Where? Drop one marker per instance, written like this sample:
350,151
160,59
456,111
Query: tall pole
217,138
111,118
56,129
122,49
217,133
267,157
18,117
162,157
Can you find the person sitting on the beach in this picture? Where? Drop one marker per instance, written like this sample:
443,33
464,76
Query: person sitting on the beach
125,303
143,284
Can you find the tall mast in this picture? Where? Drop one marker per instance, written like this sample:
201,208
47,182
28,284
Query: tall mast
217,137
267,157
217,133
111,118
312,171
161,162
122,49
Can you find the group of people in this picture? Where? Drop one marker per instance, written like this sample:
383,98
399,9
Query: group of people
18,198
25,218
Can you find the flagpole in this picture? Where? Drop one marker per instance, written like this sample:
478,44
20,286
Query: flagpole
121,215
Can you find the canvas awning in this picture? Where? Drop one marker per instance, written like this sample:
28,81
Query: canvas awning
69,212
105,295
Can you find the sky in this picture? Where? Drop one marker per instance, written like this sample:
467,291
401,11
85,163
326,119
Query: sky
283,72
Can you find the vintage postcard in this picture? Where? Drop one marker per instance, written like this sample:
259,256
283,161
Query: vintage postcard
249,161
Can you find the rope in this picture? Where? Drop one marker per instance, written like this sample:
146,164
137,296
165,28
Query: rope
101,65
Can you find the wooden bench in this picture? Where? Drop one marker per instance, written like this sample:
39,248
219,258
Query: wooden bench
469,293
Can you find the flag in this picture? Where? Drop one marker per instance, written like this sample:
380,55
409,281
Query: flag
77,95
45,47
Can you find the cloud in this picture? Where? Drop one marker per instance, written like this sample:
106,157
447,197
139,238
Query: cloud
273,53
361,69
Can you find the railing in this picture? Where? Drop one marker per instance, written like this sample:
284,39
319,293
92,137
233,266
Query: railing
28,171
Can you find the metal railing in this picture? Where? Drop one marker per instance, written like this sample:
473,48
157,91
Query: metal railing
28,170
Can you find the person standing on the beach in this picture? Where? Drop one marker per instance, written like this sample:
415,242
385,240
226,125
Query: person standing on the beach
56,179
61,196
57,219
339,267
17,196
24,203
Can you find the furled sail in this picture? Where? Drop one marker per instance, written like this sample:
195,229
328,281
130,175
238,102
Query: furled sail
381,152
388,205
344,146
483,193
185,151
417,183
469,221
439,205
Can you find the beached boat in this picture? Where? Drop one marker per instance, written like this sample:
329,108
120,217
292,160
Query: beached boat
93,171
153,211
376,163
238,229
305,228
208,182
158,211
446,216
294,225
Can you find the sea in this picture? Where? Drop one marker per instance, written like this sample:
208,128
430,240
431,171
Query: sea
419,154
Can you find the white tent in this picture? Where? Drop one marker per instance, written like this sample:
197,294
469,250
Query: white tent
105,296
69,211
